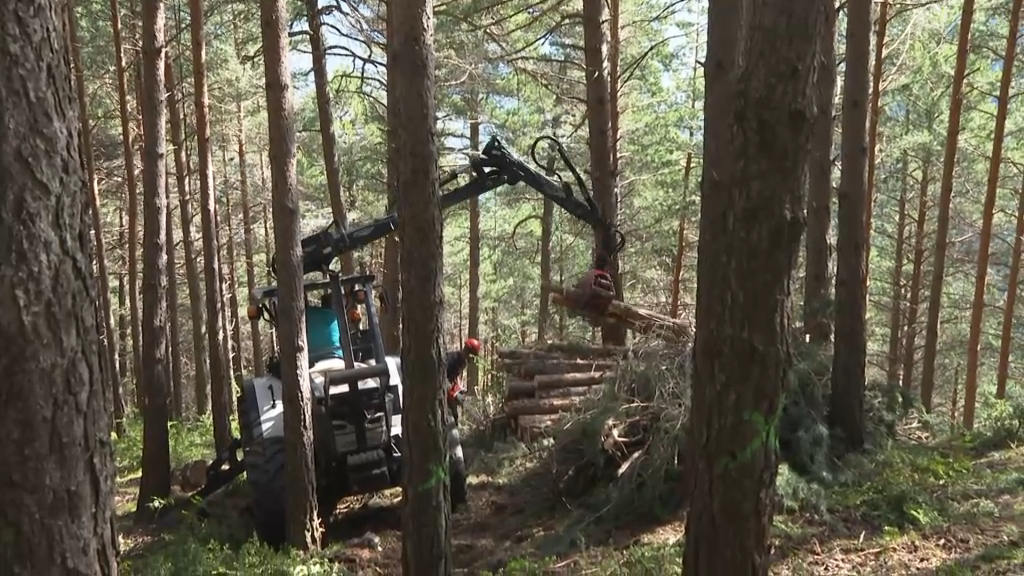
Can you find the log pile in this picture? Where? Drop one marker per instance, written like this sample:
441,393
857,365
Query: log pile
547,381
636,319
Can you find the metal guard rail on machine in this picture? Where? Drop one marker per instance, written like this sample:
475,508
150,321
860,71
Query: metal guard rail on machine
492,168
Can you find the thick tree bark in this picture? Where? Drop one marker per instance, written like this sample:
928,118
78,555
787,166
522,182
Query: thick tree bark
1012,285
219,383
57,488
302,524
113,375
914,296
426,527
473,373
332,167
677,265
601,138
817,315
956,106
750,237
988,212
846,400
156,451
876,95
192,272
250,265
132,192
892,368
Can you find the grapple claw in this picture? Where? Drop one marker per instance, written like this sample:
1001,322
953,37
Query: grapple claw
597,293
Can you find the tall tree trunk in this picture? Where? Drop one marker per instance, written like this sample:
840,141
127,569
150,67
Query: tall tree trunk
219,384
1012,285
132,192
391,315
677,265
232,286
892,368
302,525
57,499
846,400
473,373
192,272
250,265
426,526
174,326
816,312
109,346
750,239
910,339
602,139
876,95
122,307
991,189
332,168
267,243
956,105
156,451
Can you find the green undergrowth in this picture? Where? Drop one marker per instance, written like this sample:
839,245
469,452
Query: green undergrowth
189,440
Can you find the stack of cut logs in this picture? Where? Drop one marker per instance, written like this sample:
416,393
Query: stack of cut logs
548,380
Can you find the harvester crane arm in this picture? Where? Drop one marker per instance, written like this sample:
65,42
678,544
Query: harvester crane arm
495,166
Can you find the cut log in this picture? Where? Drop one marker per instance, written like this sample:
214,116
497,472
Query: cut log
573,392
535,407
527,354
565,351
517,389
549,381
530,368
634,318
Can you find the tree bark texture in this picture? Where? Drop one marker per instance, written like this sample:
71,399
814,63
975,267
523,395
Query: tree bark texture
988,213
219,384
391,315
817,317
956,106
846,399
750,238
56,494
426,534
156,450
601,138
302,527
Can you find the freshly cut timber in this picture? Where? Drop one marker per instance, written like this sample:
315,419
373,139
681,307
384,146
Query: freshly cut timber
634,318
540,406
564,351
532,368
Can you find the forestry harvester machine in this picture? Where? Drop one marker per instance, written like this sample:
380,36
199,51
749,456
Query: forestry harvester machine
357,399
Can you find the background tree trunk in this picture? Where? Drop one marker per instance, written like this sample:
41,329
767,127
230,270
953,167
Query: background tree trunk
156,450
750,239
473,371
817,312
391,315
426,530
988,213
677,264
956,106
892,367
914,296
876,95
250,264
219,385
57,501
302,524
1013,284
846,400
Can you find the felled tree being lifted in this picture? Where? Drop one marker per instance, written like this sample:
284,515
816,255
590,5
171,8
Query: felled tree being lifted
580,303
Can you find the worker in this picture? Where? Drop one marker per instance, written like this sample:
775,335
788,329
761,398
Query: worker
455,365
323,336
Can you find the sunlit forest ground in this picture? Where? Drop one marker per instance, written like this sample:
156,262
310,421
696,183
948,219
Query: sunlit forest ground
922,500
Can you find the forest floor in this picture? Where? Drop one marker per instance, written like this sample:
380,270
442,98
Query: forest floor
908,508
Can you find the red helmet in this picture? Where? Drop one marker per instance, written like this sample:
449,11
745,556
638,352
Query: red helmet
472,346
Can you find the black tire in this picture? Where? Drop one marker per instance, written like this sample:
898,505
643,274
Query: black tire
264,470
458,490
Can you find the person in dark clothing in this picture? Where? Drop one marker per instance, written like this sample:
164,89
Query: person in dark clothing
455,364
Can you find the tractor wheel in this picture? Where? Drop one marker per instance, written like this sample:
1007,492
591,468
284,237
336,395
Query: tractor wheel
264,470
458,490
